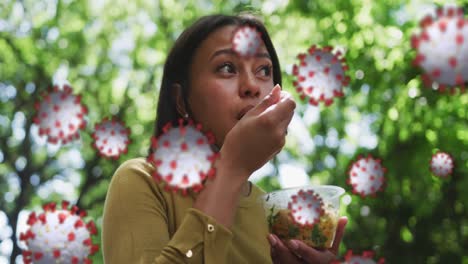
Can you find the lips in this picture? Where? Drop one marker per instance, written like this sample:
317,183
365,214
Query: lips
244,111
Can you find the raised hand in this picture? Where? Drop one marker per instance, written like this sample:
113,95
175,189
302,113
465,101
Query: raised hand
260,134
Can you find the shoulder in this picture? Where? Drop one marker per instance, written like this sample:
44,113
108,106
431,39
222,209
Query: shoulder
133,182
136,165
134,172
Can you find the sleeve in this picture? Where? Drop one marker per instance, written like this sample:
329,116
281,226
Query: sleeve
135,226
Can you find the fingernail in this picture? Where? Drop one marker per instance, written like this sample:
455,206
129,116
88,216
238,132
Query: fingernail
277,85
270,95
272,240
293,244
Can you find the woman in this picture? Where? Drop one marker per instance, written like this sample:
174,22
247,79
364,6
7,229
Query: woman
235,98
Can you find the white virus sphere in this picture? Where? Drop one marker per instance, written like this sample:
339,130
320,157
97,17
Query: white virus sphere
441,164
320,75
442,49
183,157
367,257
306,208
58,236
111,138
246,41
60,115
366,176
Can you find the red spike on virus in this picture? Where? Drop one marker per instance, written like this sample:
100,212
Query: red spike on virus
442,49
246,41
60,115
320,75
441,164
366,176
57,239
111,138
183,157
367,257
306,208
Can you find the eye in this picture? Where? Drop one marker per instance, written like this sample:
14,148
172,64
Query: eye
265,70
226,67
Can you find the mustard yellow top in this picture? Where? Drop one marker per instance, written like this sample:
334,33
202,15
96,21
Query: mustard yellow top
143,223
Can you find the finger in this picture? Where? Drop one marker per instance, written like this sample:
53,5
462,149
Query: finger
283,110
285,121
310,254
283,254
273,254
282,123
269,100
273,251
339,234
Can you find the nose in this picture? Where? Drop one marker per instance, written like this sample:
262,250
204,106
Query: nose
249,86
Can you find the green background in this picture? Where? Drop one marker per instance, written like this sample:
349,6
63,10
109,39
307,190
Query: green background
113,54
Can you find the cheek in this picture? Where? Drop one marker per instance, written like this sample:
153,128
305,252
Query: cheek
214,95
215,104
214,108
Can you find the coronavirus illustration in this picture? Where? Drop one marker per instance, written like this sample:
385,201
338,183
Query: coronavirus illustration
58,236
60,115
441,164
366,176
306,208
442,49
367,257
320,75
111,138
183,157
246,41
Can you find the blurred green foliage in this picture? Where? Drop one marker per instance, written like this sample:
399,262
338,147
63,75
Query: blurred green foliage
113,53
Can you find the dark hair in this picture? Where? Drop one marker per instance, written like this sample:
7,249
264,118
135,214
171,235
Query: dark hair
177,67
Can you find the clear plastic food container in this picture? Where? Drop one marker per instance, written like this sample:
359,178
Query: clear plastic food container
306,213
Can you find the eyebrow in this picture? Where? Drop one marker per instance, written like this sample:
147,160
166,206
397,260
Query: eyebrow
232,52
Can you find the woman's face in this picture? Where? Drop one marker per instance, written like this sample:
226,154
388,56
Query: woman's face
223,85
